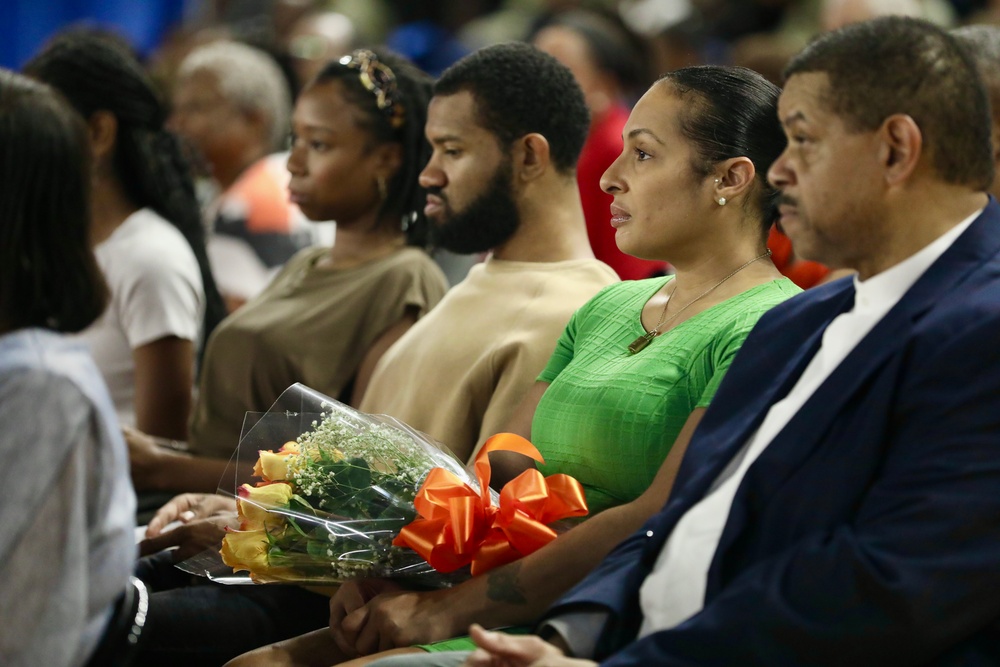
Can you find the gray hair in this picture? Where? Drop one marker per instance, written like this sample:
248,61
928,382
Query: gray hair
249,78
983,44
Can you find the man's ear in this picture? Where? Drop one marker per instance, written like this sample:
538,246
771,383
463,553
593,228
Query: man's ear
902,145
102,128
530,156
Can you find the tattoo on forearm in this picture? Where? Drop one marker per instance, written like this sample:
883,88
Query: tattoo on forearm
502,586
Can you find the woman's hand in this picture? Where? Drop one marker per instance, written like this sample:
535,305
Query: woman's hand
191,538
204,518
187,507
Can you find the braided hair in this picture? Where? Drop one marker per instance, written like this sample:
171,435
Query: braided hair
94,74
405,198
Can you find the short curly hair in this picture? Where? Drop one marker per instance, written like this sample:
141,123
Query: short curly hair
903,65
519,90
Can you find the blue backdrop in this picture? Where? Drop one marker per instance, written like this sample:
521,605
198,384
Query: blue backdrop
26,24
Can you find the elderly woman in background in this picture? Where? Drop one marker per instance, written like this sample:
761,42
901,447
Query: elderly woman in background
232,104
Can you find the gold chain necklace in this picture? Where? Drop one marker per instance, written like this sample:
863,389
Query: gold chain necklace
640,343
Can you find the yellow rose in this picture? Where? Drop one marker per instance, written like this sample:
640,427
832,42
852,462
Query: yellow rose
273,466
245,550
255,501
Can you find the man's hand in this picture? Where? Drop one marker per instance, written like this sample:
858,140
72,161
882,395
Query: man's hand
204,517
396,619
499,650
350,601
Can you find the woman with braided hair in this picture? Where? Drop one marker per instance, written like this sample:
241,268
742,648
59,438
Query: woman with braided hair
325,320
147,230
331,312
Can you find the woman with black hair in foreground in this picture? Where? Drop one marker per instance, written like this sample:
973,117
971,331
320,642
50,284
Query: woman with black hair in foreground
67,545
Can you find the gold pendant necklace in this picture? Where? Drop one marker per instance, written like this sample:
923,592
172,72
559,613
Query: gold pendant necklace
643,341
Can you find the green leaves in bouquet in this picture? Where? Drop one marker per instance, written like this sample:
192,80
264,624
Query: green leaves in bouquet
353,489
350,488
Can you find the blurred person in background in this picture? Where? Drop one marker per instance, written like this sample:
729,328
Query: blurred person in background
768,52
232,103
314,40
148,231
608,64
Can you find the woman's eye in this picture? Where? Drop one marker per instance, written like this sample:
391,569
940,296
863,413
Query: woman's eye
641,154
318,145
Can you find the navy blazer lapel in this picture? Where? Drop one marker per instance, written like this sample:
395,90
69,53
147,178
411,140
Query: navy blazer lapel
979,243
766,374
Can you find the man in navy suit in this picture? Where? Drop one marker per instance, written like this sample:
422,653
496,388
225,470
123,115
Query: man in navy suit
840,502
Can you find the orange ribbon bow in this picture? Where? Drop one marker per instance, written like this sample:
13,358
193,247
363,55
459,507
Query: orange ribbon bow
460,525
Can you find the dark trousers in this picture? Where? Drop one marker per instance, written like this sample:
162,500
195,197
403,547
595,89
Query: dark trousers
195,622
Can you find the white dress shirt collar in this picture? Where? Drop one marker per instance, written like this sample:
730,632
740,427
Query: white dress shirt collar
889,286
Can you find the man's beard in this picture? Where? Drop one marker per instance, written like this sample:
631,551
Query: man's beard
488,221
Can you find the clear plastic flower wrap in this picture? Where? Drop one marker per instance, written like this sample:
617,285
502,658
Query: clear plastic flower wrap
331,499
346,495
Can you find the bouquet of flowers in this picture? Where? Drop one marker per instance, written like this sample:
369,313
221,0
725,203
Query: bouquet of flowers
356,495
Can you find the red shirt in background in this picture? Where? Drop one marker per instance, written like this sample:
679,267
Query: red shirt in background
802,272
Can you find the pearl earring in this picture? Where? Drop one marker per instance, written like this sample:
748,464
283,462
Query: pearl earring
721,200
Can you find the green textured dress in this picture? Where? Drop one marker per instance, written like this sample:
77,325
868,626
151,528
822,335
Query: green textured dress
609,418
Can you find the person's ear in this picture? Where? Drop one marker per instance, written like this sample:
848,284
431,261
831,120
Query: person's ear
102,128
530,156
388,159
900,149
733,177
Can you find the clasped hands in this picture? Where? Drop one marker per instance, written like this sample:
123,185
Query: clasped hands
377,615
374,615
